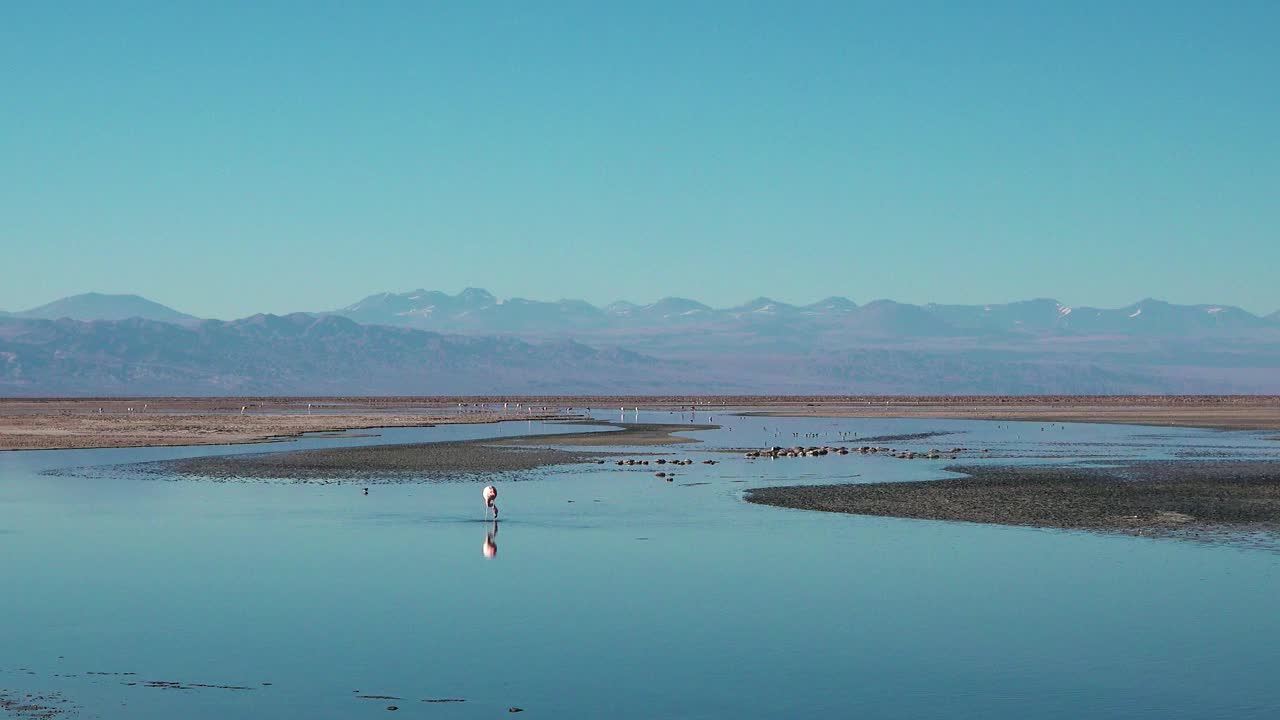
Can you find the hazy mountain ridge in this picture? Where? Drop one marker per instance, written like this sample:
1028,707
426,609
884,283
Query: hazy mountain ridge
475,310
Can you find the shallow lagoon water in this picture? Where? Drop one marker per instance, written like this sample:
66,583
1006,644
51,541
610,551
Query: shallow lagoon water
614,593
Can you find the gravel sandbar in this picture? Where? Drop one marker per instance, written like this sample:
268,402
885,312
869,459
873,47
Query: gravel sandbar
1183,498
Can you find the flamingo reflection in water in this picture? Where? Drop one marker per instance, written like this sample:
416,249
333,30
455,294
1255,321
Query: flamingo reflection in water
491,541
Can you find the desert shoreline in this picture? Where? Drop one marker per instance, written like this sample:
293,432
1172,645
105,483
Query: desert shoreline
1207,417
83,423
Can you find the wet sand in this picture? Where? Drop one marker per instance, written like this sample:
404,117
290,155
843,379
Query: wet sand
631,434
372,464
413,462
1177,498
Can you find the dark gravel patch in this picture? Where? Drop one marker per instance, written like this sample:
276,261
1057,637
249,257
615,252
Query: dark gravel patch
628,434
903,437
1173,498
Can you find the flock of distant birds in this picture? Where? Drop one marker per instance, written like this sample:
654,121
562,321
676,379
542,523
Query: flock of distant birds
818,451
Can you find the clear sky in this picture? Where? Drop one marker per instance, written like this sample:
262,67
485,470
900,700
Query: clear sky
226,158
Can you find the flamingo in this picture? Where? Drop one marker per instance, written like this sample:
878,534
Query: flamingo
490,494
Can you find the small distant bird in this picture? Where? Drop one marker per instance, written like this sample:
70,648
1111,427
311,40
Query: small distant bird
490,494
366,491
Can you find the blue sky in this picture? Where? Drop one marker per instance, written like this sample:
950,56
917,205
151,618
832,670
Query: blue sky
227,158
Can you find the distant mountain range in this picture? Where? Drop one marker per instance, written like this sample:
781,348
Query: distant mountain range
478,311
428,342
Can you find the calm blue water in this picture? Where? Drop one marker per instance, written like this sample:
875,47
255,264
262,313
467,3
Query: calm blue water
616,594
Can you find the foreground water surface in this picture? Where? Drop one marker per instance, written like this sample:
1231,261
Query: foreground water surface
611,593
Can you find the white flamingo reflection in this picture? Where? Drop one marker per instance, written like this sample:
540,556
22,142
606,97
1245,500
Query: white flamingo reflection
491,541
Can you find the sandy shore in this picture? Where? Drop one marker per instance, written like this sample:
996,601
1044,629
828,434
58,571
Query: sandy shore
1182,498
65,424
1222,413
414,462
31,424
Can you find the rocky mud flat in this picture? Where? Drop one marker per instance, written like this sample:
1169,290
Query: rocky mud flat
35,706
47,705
1234,502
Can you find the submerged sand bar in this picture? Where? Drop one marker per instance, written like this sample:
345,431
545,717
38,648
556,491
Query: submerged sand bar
419,461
